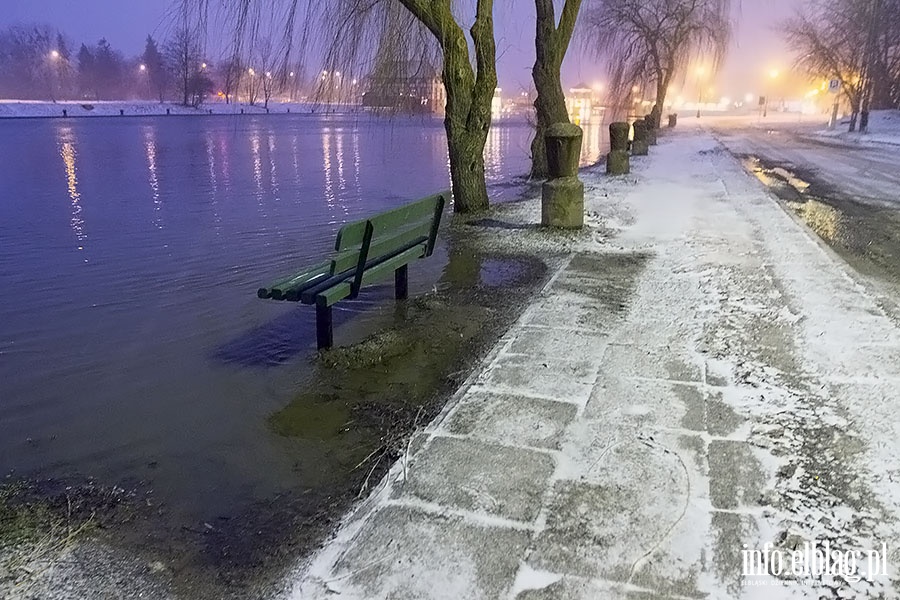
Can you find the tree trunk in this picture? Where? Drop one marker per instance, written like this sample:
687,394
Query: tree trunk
466,151
469,94
550,108
662,89
551,43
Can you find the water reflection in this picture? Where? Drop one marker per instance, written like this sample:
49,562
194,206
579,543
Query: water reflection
820,217
213,182
326,162
257,166
273,177
355,143
493,150
69,153
153,176
592,143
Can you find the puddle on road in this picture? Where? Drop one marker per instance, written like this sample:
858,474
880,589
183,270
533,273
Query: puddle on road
866,236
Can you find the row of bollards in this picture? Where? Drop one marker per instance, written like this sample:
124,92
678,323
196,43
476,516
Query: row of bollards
618,162
562,195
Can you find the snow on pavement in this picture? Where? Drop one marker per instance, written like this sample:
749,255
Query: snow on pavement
701,380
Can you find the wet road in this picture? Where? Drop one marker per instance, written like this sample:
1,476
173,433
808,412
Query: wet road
863,174
848,195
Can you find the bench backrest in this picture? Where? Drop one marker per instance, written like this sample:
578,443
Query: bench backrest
385,234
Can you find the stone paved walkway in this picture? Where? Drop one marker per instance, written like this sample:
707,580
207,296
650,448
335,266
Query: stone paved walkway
709,381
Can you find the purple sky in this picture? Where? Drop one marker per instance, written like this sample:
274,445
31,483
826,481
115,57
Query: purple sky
756,47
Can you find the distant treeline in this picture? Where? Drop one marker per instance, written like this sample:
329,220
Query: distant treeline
39,62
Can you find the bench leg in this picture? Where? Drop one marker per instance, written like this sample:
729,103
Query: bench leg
401,283
324,334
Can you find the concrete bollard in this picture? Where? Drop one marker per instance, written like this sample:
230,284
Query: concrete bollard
562,196
168,111
673,120
121,112
242,111
65,113
617,161
639,145
651,130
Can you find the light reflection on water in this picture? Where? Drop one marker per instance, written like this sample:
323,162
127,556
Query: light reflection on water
119,364
69,154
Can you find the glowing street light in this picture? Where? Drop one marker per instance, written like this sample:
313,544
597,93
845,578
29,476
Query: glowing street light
701,71
251,72
202,65
142,68
54,54
773,75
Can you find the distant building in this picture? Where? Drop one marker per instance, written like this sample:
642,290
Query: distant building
579,103
417,90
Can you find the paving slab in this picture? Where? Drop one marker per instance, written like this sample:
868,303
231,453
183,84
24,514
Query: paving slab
393,558
476,476
512,420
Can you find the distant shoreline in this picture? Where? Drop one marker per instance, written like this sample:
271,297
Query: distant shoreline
24,109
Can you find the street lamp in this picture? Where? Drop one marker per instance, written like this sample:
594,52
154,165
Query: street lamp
700,72
54,54
773,75
142,68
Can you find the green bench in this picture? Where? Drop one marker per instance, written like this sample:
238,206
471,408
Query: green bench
365,252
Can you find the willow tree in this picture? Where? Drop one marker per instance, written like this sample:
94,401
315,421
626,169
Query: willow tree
854,41
653,40
469,84
355,30
551,43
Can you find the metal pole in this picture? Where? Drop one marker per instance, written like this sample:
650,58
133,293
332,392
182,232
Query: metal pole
867,71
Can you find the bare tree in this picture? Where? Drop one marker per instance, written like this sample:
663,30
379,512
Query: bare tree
31,61
355,28
266,59
653,40
831,43
230,73
469,81
551,43
183,56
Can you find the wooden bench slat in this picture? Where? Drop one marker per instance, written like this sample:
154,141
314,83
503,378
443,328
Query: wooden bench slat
352,234
383,246
277,289
344,289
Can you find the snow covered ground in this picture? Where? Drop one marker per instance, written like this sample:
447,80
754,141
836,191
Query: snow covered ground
25,109
702,388
884,128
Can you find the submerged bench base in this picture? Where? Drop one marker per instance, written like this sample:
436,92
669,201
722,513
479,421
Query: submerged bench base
365,252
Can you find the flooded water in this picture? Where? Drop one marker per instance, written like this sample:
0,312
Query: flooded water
132,344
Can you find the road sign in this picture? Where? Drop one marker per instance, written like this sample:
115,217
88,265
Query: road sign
762,100
834,86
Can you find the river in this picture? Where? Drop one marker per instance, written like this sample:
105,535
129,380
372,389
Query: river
132,344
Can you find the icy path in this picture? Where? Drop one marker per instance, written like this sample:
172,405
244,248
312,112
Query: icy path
710,381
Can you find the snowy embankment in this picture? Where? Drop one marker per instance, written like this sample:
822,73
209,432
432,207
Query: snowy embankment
36,109
884,128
